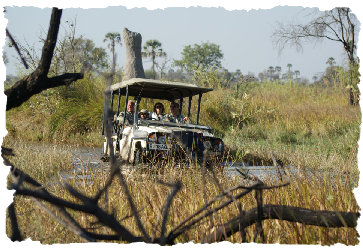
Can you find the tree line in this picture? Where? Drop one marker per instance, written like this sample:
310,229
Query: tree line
72,53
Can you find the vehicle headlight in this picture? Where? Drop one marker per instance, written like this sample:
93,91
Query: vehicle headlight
161,139
207,144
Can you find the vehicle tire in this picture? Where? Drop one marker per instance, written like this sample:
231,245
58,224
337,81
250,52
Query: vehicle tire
138,157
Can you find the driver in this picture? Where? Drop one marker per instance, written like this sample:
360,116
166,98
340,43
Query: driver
175,115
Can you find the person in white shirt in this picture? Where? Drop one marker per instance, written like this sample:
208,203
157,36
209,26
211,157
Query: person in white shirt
158,113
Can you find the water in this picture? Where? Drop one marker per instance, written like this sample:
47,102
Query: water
87,165
289,172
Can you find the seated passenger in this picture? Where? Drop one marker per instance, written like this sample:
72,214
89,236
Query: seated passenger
144,114
158,112
175,116
129,120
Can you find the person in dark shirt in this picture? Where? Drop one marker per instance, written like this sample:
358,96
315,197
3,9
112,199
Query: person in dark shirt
175,116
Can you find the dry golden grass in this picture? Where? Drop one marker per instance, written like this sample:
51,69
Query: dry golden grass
307,126
318,193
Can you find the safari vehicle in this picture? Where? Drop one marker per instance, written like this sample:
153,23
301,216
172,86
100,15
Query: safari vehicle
148,140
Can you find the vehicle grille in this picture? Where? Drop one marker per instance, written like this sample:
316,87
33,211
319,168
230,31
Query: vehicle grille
189,142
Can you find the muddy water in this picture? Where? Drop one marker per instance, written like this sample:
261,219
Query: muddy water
87,164
88,160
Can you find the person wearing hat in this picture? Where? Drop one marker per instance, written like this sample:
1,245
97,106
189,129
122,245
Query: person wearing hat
144,114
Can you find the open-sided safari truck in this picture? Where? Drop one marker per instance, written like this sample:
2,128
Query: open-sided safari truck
148,140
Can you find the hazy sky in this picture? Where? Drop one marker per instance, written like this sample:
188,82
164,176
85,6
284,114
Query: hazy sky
244,36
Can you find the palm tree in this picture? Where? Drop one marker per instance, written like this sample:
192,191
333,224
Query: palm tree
288,72
271,70
297,73
283,76
113,38
238,73
261,76
331,62
278,69
155,51
315,78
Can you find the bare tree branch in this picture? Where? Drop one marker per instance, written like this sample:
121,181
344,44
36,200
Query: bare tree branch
16,236
16,48
287,213
70,223
176,187
90,207
176,231
38,80
338,24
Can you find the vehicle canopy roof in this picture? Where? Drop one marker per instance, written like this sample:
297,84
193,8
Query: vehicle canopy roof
157,89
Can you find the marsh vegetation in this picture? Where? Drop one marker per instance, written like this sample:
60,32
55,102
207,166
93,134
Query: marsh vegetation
308,126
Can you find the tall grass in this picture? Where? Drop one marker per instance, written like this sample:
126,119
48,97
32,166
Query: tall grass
80,111
198,188
304,125
68,114
39,160
307,126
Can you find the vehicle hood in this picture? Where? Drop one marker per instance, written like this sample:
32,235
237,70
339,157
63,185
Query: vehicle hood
169,127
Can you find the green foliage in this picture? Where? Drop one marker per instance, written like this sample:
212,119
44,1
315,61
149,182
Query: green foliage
307,125
200,57
79,109
113,38
152,50
71,55
149,74
207,78
177,75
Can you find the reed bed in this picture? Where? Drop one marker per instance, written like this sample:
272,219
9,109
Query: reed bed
308,126
198,186
304,125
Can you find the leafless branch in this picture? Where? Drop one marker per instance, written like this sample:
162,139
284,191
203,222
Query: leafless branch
15,236
338,24
16,48
176,231
176,187
287,213
70,223
38,80
259,229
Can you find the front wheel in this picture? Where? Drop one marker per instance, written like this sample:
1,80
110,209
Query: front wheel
138,157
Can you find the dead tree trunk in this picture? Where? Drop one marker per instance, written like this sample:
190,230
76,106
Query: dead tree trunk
38,80
133,62
305,216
